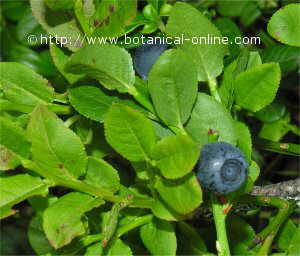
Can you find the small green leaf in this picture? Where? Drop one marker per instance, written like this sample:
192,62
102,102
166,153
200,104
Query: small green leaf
37,237
118,248
70,208
163,211
253,173
244,141
60,5
187,21
55,148
14,189
274,131
286,56
279,147
68,34
227,88
8,159
176,155
284,234
58,24
159,237
130,133
254,60
173,87
257,87
90,101
110,223
294,246
23,86
182,195
191,240
109,64
100,173
112,16
28,25
240,235
231,8
271,113
207,115
13,138
60,59
284,25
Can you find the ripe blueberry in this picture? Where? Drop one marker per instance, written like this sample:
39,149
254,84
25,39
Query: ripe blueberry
146,55
222,168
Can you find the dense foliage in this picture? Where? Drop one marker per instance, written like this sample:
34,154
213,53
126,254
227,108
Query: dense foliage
100,142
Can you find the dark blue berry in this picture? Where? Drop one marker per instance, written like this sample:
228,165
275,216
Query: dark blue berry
146,55
222,168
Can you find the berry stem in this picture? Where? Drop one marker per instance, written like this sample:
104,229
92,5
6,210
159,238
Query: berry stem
220,223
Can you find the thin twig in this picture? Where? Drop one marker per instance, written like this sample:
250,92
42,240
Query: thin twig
286,190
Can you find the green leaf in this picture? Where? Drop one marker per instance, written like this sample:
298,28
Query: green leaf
68,34
253,173
109,64
159,237
279,147
176,155
14,189
192,242
8,159
207,115
173,87
231,8
118,248
58,25
101,174
13,138
55,148
274,131
28,25
23,86
287,56
163,211
284,234
37,238
244,141
70,208
60,59
161,130
294,246
182,195
271,113
257,87
90,101
189,22
229,29
84,10
240,235
250,13
83,129
113,16
284,25
130,133
254,60
227,88
142,169
60,5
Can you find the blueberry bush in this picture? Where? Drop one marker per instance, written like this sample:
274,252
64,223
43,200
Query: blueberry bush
148,148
